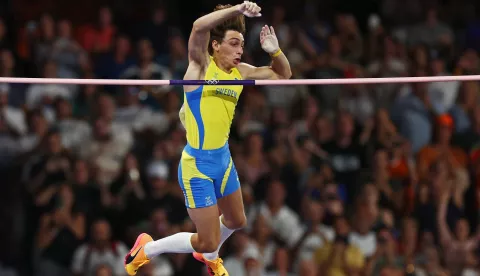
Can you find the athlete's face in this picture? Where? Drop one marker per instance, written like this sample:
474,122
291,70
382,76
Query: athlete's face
230,50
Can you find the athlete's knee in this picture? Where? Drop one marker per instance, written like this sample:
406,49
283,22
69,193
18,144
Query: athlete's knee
240,222
237,222
207,245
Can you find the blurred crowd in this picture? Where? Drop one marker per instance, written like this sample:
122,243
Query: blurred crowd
337,180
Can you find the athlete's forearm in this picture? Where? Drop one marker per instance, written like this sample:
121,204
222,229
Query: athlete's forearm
209,21
281,66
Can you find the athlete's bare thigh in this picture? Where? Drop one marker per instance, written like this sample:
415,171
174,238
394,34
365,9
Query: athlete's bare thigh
233,210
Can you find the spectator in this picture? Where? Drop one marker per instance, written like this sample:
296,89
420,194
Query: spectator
441,148
346,154
48,169
146,67
42,95
41,43
160,193
263,242
177,58
322,130
412,114
385,133
138,118
155,29
128,189
13,125
355,100
253,163
387,64
432,31
73,131
431,264
110,65
458,248
60,232
386,254
361,235
101,250
350,37
99,38
105,108
316,234
443,95
236,262
340,257
66,52
283,221
409,240
84,104
106,161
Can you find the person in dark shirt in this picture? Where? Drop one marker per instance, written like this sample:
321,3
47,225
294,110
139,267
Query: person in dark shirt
346,155
59,234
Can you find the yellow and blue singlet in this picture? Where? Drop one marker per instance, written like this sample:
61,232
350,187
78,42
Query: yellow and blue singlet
206,171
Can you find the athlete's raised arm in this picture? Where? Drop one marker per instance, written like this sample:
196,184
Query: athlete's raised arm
200,35
280,67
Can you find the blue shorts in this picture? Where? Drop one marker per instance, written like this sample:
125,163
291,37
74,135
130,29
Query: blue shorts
206,175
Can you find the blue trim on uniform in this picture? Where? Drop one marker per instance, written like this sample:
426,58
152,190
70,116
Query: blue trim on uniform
180,182
194,99
233,183
204,153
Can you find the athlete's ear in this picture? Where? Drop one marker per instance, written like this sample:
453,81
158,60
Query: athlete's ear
215,45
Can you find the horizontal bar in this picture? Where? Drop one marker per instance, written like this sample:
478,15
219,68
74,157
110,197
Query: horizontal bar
239,82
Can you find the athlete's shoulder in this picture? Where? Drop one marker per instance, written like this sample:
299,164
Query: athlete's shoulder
245,66
245,69
237,74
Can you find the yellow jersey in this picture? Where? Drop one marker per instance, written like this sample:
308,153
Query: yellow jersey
209,109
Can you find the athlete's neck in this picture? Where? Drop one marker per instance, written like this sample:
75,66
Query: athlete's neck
222,65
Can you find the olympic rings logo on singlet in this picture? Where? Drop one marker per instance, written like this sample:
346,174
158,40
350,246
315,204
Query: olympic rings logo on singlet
211,82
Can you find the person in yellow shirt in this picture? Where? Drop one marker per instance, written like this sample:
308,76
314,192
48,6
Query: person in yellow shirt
340,258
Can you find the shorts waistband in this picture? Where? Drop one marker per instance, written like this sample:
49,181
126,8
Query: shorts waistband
195,152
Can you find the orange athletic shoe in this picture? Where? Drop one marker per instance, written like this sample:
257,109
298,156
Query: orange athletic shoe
215,268
137,257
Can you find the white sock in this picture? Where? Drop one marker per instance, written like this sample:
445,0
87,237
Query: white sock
224,234
178,243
